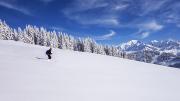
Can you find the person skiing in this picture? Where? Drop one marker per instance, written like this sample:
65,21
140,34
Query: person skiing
49,53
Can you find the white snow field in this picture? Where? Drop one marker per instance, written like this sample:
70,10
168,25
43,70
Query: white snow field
27,75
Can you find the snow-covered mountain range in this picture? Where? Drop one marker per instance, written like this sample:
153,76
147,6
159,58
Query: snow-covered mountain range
157,52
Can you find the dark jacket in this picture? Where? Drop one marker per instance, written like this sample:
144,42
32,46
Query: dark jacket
48,52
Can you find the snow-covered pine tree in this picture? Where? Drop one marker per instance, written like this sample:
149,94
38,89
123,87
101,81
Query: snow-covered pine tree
53,39
75,45
79,46
20,34
64,41
118,52
113,51
48,38
94,46
88,45
6,33
106,50
29,34
69,41
15,34
122,54
42,37
36,35
72,42
97,48
60,36
101,50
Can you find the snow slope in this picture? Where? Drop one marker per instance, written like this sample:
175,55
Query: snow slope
26,75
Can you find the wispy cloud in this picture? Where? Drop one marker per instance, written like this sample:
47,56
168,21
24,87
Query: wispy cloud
152,26
106,36
145,29
15,7
172,14
86,12
145,35
150,6
120,6
178,25
83,5
166,11
110,21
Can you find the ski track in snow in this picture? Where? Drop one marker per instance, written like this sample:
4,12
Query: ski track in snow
27,75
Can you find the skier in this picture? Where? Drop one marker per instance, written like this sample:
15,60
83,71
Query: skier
48,53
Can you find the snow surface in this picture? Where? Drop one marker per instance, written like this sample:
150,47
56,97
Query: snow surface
27,75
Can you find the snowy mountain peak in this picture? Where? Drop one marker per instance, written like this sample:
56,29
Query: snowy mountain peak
136,45
158,52
134,42
154,41
132,45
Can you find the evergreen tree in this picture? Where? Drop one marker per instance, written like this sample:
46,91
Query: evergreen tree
6,33
60,38
64,41
20,35
88,47
70,42
15,35
53,39
29,34
79,45
101,50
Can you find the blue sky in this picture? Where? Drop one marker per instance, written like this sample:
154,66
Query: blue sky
107,21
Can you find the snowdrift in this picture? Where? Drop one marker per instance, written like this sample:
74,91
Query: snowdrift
27,75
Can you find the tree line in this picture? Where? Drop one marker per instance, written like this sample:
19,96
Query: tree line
41,36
